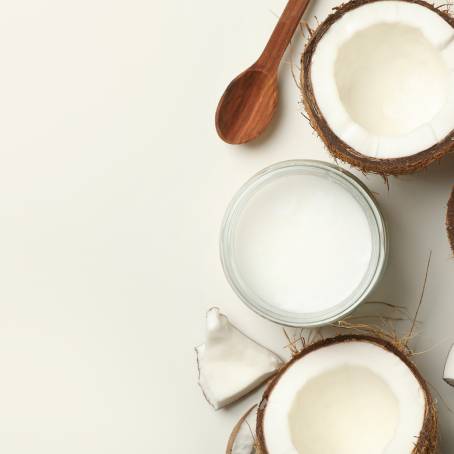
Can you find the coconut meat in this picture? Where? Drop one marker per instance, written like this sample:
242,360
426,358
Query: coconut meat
448,374
230,363
242,440
383,78
349,398
244,443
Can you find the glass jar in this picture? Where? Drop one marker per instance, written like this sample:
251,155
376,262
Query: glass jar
229,249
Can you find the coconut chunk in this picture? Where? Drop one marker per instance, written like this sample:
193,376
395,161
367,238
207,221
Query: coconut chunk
242,439
231,364
448,374
244,443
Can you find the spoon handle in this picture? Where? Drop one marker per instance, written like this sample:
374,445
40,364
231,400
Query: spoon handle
282,34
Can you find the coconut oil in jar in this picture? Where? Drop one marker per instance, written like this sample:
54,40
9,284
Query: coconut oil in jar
303,243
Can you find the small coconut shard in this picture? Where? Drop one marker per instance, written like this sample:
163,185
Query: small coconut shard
450,220
242,440
350,394
231,364
377,82
448,374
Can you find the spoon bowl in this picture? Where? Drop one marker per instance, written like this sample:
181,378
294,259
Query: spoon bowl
247,106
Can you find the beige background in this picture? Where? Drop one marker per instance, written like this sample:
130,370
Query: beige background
113,184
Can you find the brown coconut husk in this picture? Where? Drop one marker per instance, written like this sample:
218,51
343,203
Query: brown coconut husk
450,220
427,442
338,148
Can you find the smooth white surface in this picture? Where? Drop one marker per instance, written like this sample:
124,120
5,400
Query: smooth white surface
380,401
113,185
382,77
287,243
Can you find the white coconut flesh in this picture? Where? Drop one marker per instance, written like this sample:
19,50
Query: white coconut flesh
383,78
231,364
346,398
448,374
242,440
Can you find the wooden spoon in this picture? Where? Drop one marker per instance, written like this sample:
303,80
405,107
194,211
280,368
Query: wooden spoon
249,102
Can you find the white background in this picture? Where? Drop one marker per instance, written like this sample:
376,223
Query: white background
113,184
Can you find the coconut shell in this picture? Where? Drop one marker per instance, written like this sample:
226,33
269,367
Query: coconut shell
236,430
428,440
450,220
337,147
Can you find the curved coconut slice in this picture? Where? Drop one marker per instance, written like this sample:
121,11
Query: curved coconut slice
231,364
348,395
378,84
242,440
450,220
448,374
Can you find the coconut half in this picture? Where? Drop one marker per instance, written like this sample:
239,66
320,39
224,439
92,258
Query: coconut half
349,394
378,84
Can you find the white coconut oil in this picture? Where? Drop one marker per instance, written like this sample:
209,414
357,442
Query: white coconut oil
303,243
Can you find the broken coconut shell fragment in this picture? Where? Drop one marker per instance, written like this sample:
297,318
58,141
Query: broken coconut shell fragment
448,373
350,394
450,220
377,81
242,440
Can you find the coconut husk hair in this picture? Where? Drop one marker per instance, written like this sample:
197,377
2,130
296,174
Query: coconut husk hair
337,147
427,443
450,220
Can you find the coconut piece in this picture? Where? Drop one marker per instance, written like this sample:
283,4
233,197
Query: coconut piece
351,394
242,439
377,82
448,373
231,364
450,220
